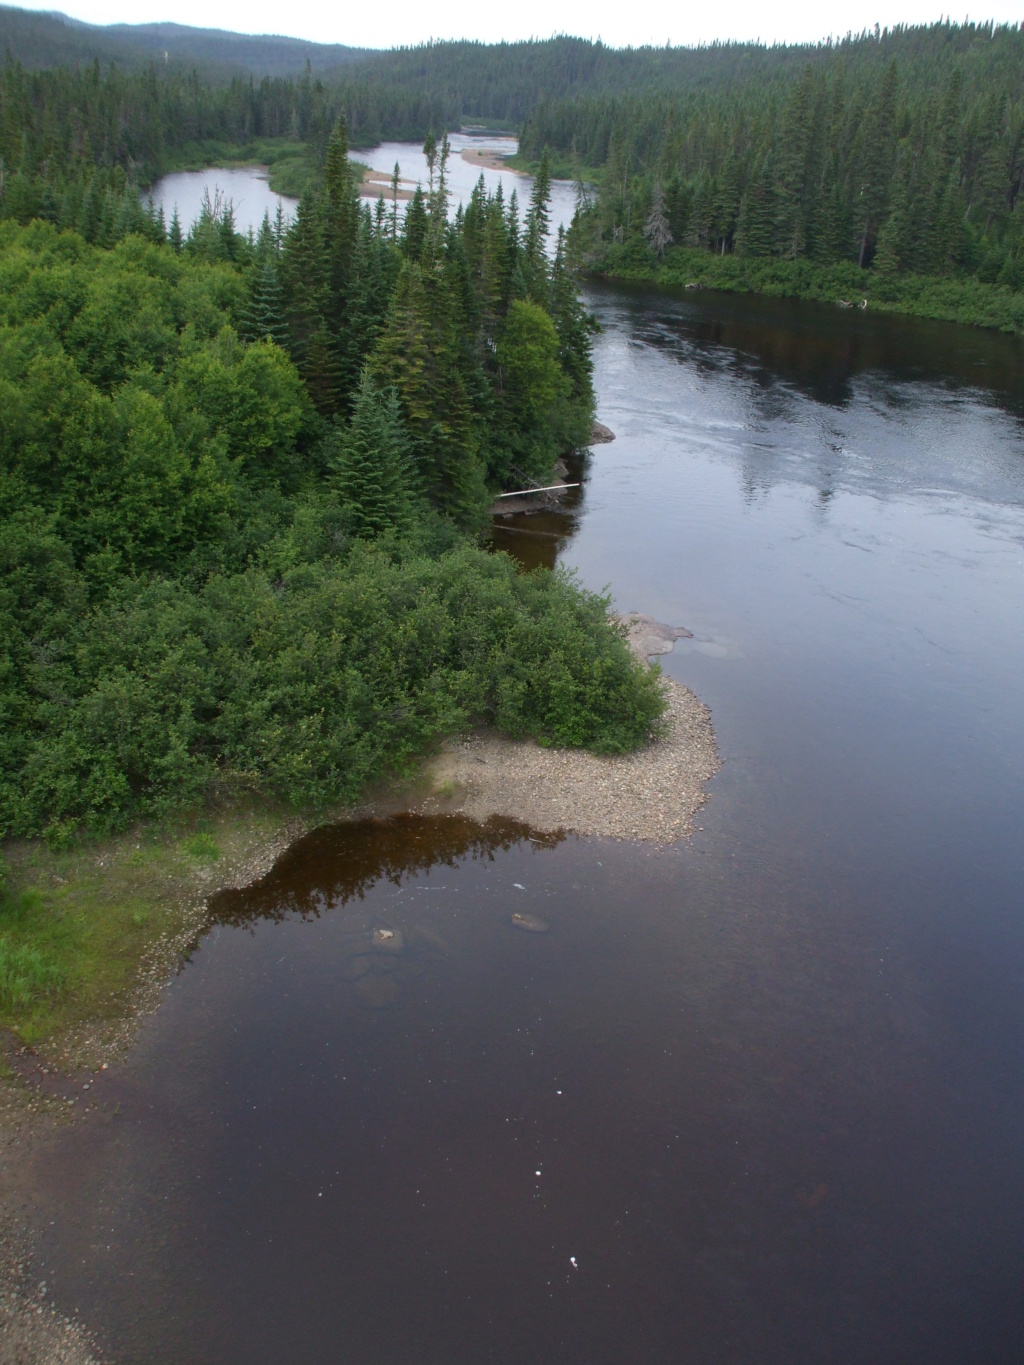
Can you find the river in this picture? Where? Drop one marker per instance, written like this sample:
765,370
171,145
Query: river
248,191
756,1099
246,188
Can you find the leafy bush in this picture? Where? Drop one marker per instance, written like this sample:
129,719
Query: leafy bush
306,687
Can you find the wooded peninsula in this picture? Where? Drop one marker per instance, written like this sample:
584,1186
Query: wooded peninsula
244,476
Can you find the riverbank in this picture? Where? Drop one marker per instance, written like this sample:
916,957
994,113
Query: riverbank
289,165
140,904
32,1330
152,885
940,299
651,795
117,917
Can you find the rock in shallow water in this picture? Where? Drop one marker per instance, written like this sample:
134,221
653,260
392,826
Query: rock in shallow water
532,924
649,638
388,940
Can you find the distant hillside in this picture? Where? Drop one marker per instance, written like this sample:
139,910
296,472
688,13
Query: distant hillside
38,40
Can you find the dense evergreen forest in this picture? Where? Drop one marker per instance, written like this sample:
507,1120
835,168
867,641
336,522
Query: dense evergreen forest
241,476
904,153
37,40
238,484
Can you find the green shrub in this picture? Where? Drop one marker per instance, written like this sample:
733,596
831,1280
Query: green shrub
202,847
309,685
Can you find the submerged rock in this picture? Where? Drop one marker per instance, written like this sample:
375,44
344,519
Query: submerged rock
376,992
532,924
419,933
356,967
388,940
649,638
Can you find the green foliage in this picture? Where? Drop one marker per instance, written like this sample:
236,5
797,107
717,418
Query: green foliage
307,687
369,464
534,388
899,151
203,847
131,417
201,590
264,319
420,354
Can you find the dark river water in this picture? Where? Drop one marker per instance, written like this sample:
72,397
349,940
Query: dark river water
757,1098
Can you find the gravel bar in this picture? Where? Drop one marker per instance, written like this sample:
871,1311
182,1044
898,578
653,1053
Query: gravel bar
650,795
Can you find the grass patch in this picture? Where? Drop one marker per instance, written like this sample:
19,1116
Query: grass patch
27,974
203,847
75,923
563,167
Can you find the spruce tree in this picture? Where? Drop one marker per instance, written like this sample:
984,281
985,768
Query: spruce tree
263,317
538,216
369,466
414,229
422,354
394,202
174,236
318,366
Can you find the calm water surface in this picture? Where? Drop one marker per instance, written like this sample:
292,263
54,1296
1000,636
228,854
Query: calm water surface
248,189
759,1098
463,174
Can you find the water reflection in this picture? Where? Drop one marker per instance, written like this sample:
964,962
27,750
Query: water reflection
785,392
816,348
335,864
536,539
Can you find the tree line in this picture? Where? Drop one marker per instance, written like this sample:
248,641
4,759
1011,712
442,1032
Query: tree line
38,39
905,154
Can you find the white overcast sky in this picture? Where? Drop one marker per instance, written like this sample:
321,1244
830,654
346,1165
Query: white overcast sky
402,21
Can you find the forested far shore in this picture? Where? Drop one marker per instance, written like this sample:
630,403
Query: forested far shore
901,152
906,162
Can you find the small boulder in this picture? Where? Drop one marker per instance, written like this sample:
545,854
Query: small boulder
530,924
388,940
